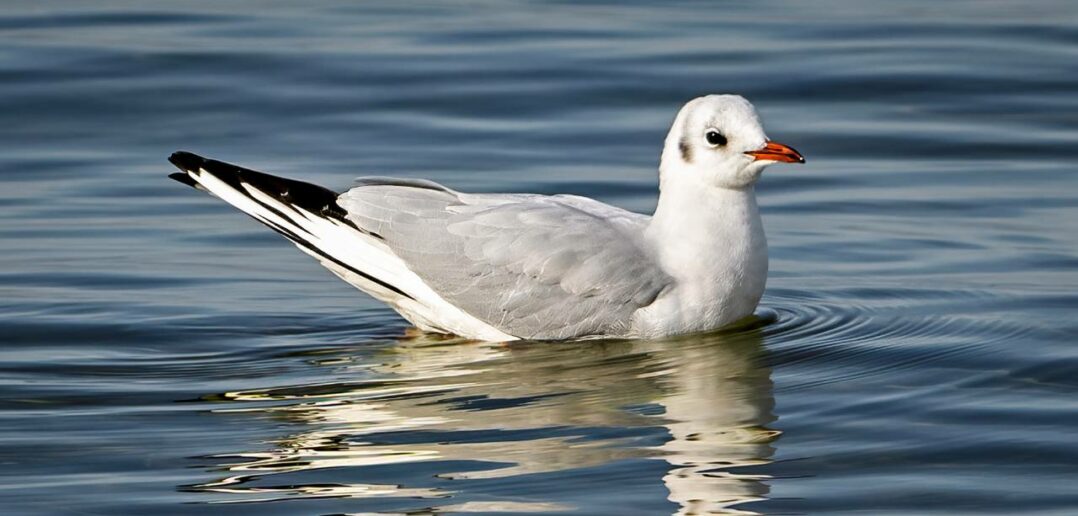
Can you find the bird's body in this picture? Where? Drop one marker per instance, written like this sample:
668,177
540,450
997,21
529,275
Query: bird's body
523,266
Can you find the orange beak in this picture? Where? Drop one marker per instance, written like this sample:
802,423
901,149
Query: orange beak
775,151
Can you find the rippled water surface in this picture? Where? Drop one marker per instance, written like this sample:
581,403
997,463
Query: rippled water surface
915,351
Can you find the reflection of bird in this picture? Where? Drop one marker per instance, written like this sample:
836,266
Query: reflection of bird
699,403
508,266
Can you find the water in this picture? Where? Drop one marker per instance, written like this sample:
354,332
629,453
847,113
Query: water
914,353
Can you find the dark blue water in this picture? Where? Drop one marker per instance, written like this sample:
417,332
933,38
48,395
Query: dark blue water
915,351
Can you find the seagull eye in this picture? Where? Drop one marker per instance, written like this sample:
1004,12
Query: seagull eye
715,138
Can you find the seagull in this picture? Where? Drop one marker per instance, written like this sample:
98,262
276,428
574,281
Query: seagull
501,267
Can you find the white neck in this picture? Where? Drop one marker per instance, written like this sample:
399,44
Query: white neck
711,241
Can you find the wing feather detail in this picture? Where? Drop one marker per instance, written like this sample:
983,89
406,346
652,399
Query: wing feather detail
533,266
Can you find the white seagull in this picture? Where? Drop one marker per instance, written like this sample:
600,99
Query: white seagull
503,267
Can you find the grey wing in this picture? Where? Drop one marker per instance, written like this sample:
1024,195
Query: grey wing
535,267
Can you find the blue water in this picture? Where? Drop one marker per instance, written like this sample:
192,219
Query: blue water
915,351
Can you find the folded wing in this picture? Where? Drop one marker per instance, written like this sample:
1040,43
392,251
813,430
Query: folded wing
538,267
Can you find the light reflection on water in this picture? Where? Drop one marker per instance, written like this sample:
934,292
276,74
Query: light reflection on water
701,404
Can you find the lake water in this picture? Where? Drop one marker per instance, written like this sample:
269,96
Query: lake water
915,351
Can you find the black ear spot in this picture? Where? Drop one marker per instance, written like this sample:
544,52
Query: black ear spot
686,150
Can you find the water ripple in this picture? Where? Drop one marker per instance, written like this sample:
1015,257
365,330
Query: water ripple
858,333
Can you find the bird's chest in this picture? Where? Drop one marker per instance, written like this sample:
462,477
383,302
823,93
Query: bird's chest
715,284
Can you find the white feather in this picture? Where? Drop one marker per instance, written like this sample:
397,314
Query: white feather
427,310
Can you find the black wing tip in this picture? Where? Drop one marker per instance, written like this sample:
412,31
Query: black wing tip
311,197
184,178
186,161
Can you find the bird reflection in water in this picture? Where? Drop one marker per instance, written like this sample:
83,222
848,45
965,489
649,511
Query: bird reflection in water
699,403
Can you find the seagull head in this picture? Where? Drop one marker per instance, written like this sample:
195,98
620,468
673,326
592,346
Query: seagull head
718,140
